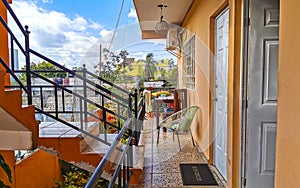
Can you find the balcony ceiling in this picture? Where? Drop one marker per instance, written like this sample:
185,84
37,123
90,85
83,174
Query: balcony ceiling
149,14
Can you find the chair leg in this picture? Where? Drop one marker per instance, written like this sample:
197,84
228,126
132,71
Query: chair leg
157,136
192,138
178,141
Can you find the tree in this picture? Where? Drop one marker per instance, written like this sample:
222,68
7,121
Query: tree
163,73
150,67
112,65
49,70
173,72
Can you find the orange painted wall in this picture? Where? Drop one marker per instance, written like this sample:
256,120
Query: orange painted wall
25,115
200,20
4,41
287,167
37,171
9,158
68,149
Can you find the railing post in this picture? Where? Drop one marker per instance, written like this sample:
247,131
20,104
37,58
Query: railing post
136,125
130,149
12,55
27,59
84,92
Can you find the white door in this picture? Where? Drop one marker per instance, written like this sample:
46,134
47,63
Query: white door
262,93
220,98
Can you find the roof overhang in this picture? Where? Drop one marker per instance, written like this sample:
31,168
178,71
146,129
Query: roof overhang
149,14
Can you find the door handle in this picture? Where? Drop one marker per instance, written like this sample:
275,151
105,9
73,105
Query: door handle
214,99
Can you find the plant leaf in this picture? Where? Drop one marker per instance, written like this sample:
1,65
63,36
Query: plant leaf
6,168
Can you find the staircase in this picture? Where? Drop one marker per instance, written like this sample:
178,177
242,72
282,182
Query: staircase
76,135
19,129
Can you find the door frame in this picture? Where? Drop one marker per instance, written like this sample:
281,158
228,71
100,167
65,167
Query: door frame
212,45
214,89
244,95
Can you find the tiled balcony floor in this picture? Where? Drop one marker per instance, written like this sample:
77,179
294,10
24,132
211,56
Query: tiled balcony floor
162,162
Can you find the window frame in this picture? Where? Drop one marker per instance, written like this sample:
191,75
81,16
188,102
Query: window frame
188,65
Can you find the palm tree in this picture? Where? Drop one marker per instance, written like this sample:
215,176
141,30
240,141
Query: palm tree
150,67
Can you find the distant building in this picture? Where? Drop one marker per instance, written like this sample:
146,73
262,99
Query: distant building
15,63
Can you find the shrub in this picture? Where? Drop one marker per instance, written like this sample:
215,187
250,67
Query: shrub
74,177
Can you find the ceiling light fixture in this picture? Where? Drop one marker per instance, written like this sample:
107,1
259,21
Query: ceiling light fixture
161,27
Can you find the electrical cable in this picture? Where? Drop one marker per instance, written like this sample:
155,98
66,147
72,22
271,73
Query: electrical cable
116,27
125,32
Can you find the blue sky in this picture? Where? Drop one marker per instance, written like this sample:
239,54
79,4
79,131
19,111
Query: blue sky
71,31
105,12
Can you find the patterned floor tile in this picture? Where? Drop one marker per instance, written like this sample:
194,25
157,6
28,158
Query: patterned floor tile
161,164
167,180
167,167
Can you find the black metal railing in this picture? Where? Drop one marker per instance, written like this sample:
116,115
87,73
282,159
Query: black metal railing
123,162
52,99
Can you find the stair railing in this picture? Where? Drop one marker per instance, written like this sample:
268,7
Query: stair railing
126,101
80,129
122,169
105,94
124,159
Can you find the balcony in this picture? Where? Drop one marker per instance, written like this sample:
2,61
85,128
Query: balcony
161,163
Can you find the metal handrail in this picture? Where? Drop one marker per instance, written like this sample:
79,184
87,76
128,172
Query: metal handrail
107,82
119,166
131,103
13,75
12,35
13,15
28,88
78,75
101,167
74,127
77,95
80,86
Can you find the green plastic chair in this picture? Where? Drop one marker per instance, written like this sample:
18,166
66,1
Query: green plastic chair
179,122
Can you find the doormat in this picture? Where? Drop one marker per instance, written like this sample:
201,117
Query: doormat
197,174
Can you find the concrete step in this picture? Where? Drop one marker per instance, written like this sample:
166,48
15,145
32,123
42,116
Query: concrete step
101,148
58,129
13,135
15,96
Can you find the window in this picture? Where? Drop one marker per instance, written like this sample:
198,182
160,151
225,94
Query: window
189,64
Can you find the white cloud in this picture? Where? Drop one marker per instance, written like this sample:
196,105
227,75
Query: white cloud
132,13
63,38
47,1
94,25
106,35
73,40
138,55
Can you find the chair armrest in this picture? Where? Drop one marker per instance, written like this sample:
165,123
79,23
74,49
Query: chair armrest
170,123
172,117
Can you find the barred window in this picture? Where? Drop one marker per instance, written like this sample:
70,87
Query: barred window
189,64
